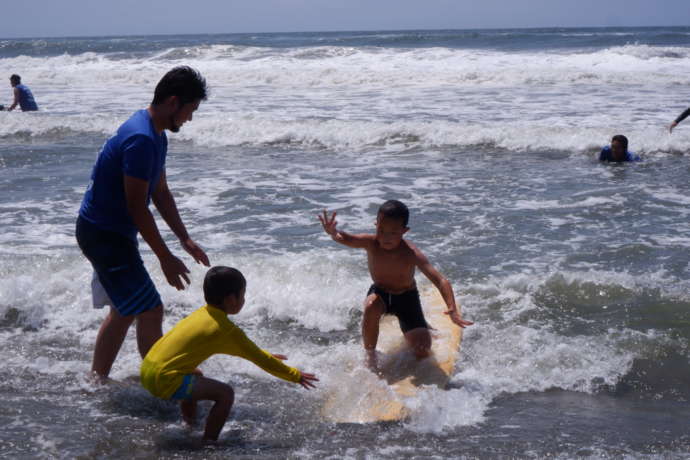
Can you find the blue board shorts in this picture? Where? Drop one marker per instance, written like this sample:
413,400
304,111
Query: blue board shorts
117,262
184,391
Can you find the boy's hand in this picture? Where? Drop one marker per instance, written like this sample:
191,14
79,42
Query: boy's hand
329,224
455,317
279,356
307,379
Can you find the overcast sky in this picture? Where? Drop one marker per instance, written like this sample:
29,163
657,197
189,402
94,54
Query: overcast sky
52,18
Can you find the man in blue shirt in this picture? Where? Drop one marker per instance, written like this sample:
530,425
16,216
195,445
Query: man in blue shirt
618,151
128,174
22,95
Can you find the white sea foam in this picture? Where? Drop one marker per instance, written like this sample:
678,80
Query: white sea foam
216,131
342,128
354,98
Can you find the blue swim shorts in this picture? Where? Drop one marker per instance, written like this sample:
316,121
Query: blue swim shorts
116,260
184,391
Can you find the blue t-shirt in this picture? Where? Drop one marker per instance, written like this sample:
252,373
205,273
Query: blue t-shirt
137,151
607,155
26,99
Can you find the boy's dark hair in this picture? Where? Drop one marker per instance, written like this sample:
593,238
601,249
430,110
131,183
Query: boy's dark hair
14,78
184,82
622,139
394,209
221,282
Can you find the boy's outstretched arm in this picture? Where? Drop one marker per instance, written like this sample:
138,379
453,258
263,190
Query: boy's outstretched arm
307,380
442,284
330,226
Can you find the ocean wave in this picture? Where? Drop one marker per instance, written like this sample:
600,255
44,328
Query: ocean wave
364,67
356,135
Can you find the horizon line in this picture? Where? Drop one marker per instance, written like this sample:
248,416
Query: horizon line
340,31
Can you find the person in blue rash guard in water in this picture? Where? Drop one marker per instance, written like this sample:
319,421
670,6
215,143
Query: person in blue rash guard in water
618,151
22,96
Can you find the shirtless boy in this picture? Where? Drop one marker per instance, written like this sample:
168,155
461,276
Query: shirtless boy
392,262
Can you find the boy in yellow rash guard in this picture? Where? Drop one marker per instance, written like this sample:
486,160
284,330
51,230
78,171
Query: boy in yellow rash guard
169,368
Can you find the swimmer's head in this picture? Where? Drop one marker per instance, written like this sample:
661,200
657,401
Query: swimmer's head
391,224
224,288
619,146
181,90
15,80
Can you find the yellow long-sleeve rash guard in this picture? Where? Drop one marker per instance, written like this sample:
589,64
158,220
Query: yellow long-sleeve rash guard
206,332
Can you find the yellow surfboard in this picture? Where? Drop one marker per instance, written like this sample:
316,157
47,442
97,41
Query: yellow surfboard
401,374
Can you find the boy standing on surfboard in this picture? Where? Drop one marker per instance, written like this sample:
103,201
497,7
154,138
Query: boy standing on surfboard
392,262
169,370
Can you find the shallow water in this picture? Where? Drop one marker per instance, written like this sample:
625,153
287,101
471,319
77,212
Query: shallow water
576,273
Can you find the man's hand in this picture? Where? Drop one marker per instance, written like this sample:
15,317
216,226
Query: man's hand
329,224
307,379
455,317
673,125
175,271
195,251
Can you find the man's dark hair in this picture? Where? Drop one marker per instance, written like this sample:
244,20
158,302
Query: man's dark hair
394,209
14,78
622,139
184,82
221,282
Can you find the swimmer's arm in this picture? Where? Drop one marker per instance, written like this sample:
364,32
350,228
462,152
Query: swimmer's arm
680,118
16,100
683,116
442,284
354,241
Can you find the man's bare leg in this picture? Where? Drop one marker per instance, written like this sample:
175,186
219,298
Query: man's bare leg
111,334
149,328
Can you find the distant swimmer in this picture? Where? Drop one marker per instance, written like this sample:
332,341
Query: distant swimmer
22,96
618,151
680,118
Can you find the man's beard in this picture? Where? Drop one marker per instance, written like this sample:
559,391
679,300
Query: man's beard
172,126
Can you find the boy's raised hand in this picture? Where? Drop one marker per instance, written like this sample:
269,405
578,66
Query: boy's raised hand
329,224
307,379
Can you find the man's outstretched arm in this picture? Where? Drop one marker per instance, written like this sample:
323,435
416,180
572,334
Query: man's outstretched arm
136,192
165,203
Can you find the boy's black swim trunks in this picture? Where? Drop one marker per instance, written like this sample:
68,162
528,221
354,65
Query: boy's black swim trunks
406,307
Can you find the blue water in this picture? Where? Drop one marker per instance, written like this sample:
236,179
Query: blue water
576,273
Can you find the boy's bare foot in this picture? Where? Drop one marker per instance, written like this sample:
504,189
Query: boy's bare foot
372,361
